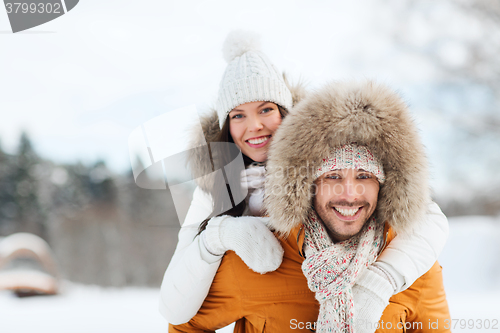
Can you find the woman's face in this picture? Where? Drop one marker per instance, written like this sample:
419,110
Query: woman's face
252,126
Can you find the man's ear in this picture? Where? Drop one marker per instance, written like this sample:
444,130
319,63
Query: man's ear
314,191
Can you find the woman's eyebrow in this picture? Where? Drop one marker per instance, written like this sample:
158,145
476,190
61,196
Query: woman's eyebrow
264,103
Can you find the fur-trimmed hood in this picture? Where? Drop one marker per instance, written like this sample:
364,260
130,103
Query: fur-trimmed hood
199,162
367,113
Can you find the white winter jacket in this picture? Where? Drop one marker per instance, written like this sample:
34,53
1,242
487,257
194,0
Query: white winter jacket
192,268
190,273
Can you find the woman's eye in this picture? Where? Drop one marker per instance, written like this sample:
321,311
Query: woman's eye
266,110
333,177
364,176
237,116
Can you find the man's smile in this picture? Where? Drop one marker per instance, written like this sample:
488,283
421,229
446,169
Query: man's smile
348,213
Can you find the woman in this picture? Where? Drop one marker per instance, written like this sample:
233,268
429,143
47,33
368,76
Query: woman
244,119
253,98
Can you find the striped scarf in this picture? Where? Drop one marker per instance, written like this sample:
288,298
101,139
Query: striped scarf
331,270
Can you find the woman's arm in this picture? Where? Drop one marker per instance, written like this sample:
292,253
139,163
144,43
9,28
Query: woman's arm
196,259
408,258
192,268
402,262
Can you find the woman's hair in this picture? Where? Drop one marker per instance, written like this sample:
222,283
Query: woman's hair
220,189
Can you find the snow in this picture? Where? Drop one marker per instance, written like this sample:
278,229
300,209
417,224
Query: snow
83,309
471,270
470,267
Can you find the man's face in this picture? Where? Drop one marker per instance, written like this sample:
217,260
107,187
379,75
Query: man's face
345,199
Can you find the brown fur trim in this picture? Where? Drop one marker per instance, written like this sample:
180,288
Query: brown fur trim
367,113
297,89
199,161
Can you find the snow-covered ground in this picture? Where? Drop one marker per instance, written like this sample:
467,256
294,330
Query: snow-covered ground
471,266
471,271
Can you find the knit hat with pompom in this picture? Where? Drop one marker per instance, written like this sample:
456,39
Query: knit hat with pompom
249,76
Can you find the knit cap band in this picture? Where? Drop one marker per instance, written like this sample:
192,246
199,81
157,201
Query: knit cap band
352,156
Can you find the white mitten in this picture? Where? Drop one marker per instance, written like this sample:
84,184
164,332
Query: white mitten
249,237
371,295
253,179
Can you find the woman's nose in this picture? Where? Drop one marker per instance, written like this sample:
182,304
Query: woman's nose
254,124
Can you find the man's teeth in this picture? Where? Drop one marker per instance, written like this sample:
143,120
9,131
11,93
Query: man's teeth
347,212
258,140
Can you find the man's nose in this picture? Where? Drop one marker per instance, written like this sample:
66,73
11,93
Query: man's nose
349,189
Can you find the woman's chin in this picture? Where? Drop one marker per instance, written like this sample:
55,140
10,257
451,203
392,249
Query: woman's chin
257,157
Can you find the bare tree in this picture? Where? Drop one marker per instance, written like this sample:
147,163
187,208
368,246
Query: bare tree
460,41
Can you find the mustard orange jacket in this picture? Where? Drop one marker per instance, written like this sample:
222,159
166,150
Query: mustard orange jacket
281,301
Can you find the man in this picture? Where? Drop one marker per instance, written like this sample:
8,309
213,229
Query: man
326,213
347,164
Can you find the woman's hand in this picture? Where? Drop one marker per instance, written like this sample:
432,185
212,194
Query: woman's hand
253,179
249,237
371,294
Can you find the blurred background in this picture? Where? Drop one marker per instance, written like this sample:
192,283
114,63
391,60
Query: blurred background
72,91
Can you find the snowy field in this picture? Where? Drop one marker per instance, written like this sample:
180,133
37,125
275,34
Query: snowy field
471,266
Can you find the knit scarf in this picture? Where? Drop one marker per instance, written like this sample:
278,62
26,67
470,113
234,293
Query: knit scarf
331,270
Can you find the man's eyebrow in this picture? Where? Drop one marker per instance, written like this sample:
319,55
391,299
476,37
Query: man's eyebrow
363,170
330,172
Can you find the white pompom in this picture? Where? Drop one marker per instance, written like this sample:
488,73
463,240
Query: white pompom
238,42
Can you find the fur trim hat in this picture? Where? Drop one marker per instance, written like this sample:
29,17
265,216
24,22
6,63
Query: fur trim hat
367,113
249,77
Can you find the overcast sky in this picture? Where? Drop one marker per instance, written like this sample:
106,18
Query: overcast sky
79,85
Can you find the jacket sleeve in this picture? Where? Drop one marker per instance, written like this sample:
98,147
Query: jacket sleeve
192,268
408,258
222,306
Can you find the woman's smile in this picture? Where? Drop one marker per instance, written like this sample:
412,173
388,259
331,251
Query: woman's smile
258,142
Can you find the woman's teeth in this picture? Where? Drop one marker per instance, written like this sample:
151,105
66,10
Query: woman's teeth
258,140
347,212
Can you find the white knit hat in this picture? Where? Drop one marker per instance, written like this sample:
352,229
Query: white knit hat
249,76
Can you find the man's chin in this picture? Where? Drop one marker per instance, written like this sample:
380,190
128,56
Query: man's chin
346,234
340,230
